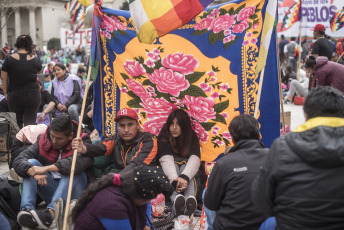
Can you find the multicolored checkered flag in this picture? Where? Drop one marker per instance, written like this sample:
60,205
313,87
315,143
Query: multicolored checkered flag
292,16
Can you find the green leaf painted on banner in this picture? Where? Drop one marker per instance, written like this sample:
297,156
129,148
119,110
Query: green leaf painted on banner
199,32
192,78
148,82
208,125
220,118
253,16
125,77
134,103
223,11
212,37
255,32
239,8
231,11
219,107
193,91
131,94
122,32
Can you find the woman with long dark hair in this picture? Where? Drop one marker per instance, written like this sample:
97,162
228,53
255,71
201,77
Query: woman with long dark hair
66,90
179,156
19,82
119,201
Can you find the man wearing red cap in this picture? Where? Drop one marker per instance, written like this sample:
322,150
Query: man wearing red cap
129,147
322,47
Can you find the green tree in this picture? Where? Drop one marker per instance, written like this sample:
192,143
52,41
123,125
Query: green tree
54,43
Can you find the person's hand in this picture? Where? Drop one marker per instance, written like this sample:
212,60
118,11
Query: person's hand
78,144
181,185
94,134
6,96
146,227
59,107
41,179
36,170
64,108
41,117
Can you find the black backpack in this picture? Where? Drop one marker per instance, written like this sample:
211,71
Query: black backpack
10,201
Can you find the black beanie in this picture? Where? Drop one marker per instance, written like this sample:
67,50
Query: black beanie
151,181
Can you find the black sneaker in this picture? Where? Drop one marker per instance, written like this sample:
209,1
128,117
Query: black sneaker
179,205
43,218
58,208
191,205
26,220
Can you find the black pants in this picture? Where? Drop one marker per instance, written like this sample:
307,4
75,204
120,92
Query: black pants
25,104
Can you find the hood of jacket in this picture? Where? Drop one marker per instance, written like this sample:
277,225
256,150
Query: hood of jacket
320,61
319,142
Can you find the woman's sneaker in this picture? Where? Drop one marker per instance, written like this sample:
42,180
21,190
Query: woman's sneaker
26,220
191,205
179,205
43,218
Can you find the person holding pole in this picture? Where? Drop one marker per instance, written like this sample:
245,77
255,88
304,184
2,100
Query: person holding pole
129,147
45,168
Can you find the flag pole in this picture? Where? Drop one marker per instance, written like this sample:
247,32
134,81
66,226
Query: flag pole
65,221
280,95
340,57
259,93
299,58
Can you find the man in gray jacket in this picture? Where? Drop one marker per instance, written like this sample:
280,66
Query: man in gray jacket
301,182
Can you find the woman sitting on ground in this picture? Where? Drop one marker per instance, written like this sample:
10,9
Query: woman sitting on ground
66,89
47,105
119,201
298,87
179,156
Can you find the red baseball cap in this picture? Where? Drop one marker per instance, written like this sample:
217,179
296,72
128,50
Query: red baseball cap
127,112
319,27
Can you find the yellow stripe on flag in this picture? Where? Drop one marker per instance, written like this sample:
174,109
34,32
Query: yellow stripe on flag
85,2
156,9
144,37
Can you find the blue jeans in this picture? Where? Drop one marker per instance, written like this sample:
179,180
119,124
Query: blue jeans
54,189
4,225
74,112
209,214
268,224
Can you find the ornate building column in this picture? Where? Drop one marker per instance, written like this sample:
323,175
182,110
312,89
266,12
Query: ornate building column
3,29
32,21
17,22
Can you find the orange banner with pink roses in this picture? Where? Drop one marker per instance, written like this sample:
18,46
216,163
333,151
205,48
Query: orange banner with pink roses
206,67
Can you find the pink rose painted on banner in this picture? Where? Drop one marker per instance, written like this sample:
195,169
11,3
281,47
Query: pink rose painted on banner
134,68
216,128
226,39
200,108
225,115
253,40
137,111
124,90
204,85
156,51
150,88
213,79
227,135
154,126
205,23
213,132
137,89
207,90
224,86
168,81
152,94
249,34
215,95
216,11
200,131
219,142
173,99
223,22
246,13
157,107
180,103
184,64
231,37
239,28
255,26
211,73
153,56
246,42
150,63
227,32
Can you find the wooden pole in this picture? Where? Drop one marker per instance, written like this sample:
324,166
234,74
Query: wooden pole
280,94
65,221
299,58
340,57
259,93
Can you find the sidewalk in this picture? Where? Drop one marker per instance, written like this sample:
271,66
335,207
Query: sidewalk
297,118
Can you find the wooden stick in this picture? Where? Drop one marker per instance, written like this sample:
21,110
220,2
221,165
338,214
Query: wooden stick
280,93
340,57
259,93
299,58
75,151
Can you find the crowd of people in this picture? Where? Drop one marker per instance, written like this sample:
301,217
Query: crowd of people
293,185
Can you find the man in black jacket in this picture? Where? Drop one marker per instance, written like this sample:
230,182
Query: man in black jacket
45,167
301,182
228,191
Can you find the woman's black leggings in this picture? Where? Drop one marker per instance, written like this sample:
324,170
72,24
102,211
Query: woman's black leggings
25,104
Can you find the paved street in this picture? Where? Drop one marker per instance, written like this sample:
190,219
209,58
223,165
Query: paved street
297,119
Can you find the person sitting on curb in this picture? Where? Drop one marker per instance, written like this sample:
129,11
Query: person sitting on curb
229,185
45,168
129,147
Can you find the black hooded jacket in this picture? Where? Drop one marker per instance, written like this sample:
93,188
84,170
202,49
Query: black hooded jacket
301,182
